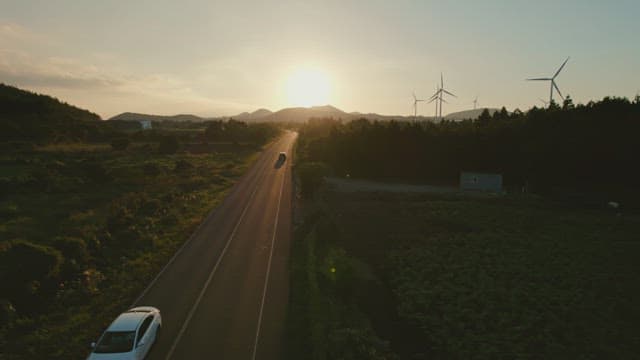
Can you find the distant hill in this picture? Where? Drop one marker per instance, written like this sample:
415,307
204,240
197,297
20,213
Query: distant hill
27,116
258,114
128,116
468,114
301,114
293,114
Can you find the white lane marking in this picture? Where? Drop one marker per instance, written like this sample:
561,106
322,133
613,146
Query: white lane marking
213,271
266,281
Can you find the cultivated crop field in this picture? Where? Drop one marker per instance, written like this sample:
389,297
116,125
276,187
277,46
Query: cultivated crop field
449,276
84,227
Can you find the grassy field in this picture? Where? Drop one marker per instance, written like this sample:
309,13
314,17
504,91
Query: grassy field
418,276
108,221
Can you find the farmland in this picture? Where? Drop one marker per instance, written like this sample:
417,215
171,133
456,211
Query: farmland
448,276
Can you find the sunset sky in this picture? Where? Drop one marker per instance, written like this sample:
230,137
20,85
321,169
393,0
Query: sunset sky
214,58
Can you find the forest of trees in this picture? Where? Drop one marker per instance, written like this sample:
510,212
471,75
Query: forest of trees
578,146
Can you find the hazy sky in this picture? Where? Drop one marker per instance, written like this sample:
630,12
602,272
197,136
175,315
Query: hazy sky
223,57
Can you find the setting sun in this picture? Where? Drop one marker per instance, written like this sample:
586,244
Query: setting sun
308,87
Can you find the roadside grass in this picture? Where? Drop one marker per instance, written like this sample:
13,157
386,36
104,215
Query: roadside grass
323,320
132,209
473,277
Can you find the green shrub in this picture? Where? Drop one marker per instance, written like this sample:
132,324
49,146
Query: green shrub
28,273
7,312
356,344
182,166
120,143
311,177
152,169
168,144
76,255
95,172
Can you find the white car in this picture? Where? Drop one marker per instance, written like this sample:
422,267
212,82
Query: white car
130,335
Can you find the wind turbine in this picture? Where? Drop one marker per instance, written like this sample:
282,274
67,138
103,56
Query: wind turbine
475,103
439,94
553,82
543,101
433,98
415,106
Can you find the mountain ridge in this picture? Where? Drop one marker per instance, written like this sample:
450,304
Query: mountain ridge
301,114
468,114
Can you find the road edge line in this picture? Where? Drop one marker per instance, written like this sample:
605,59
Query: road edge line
266,281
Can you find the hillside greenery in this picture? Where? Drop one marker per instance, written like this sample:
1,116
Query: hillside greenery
30,117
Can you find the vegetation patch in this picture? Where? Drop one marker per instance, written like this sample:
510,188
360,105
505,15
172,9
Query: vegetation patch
456,277
84,226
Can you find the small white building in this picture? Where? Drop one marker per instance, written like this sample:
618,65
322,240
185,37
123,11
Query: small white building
145,124
471,181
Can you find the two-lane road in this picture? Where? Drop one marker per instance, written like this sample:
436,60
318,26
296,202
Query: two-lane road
224,294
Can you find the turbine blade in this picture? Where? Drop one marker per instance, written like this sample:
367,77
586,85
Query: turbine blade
560,69
557,89
446,92
538,79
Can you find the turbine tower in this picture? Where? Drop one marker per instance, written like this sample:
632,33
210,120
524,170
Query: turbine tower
552,80
433,98
415,106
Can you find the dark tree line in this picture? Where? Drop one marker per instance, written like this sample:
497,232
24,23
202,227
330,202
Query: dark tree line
584,146
239,131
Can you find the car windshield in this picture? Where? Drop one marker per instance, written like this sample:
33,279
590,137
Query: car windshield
116,342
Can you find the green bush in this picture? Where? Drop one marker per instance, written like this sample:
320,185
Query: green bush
356,344
311,177
28,273
152,169
168,144
7,312
120,143
95,172
182,166
76,255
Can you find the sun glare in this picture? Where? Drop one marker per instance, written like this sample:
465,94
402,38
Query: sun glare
308,87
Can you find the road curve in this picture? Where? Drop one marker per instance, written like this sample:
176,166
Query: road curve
224,294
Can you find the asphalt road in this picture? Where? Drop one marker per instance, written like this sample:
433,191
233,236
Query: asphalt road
224,294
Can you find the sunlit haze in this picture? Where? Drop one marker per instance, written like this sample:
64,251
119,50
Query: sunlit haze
215,58
308,87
